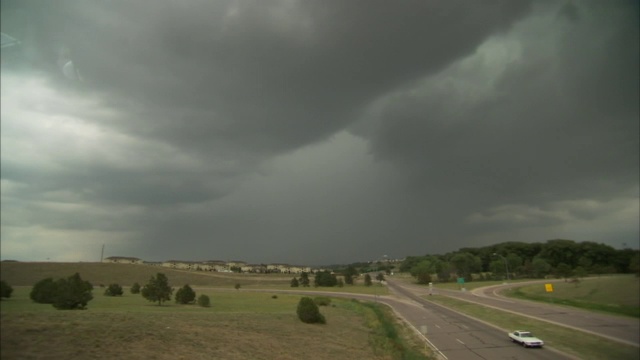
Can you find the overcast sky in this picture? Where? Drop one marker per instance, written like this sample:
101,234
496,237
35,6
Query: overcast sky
316,132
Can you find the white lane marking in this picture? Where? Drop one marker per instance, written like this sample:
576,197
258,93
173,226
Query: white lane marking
458,340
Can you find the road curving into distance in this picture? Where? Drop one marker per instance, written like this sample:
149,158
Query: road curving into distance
616,328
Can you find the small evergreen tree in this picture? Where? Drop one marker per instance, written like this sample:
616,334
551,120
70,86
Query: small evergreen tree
72,293
113,290
304,279
348,279
203,300
237,286
380,277
157,289
5,289
294,282
308,311
43,292
367,280
135,288
185,295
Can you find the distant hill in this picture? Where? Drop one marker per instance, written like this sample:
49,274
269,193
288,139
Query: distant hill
28,273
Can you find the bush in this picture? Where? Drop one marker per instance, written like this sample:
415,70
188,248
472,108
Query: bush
185,295
72,293
5,289
322,301
135,288
203,300
308,312
294,282
44,291
237,286
113,290
274,296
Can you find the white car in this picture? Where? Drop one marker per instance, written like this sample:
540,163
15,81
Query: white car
525,338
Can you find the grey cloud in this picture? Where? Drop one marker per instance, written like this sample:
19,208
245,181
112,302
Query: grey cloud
319,132
562,124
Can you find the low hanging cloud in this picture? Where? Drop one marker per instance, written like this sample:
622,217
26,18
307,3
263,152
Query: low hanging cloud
303,132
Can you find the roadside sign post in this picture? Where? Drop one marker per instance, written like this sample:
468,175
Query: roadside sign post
461,282
549,289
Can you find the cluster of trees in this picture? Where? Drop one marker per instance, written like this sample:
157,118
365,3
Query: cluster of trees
64,294
561,258
75,293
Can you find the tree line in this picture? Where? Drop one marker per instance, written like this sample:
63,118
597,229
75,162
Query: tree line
560,258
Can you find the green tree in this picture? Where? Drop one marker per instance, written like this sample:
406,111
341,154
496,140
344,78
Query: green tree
203,300
349,274
634,264
380,277
113,290
465,264
72,293
5,289
237,286
294,282
308,312
563,270
423,270
157,289
367,280
44,291
340,283
325,278
185,295
579,272
540,267
348,279
135,288
304,279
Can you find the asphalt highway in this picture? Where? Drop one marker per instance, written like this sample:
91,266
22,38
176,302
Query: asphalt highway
617,328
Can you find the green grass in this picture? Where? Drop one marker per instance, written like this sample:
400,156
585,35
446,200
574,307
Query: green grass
585,346
618,295
238,325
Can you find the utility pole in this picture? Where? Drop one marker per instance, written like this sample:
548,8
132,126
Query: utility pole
102,253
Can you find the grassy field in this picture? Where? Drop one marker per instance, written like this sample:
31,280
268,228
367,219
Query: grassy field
611,294
239,324
27,274
585,346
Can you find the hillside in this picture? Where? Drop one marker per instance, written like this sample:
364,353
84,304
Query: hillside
28,273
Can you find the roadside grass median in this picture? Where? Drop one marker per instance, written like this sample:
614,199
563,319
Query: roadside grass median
619,295
583,346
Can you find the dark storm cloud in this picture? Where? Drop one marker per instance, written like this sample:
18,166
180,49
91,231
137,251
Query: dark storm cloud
559,123
317,132
267,76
